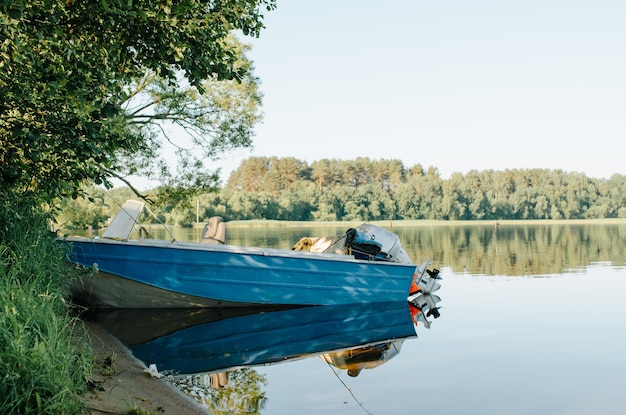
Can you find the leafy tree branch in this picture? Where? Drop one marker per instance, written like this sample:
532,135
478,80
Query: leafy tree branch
71,70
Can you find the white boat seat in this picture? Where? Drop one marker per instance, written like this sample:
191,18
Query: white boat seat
214,232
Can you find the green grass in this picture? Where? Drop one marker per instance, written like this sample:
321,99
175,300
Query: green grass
42,369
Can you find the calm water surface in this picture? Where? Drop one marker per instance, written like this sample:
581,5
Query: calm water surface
533,321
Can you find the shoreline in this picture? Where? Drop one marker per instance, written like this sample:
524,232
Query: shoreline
119,385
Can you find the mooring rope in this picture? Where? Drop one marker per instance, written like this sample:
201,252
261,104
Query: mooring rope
349,390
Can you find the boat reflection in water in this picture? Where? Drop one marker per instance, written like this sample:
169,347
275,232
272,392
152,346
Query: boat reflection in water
354,360
214,342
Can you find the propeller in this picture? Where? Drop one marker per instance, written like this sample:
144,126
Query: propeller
434,274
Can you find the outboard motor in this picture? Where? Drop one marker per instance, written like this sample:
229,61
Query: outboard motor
373,242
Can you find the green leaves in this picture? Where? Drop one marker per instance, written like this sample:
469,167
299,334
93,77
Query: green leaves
64,71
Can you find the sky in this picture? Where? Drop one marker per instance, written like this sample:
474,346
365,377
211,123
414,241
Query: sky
455,84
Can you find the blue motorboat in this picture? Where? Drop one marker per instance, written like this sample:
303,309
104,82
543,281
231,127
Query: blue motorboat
149,273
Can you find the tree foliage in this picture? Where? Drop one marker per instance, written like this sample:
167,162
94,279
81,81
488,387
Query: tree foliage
366,190
216,121
68,70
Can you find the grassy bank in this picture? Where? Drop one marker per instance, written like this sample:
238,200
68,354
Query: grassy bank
42,370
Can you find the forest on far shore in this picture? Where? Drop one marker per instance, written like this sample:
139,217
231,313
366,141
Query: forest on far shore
366,190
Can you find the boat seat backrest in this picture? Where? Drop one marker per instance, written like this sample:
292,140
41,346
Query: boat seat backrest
214,231
123,223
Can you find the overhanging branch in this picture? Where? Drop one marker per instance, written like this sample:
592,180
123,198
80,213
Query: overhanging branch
130,186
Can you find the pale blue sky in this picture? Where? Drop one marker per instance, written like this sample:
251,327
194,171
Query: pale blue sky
458,85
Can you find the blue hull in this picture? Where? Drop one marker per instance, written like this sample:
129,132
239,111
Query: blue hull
260,338
160,274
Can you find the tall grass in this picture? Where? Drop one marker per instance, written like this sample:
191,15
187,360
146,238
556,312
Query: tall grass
41,369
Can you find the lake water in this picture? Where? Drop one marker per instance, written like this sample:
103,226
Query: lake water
532,321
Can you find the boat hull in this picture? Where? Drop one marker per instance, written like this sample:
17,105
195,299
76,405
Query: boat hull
160,274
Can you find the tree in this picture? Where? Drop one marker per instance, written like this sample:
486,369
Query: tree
250,174
81,213
327,173
406,199
219,120
388,173
287,189
429,194
65,69
283,173
297,203
329,206
454,204
473,194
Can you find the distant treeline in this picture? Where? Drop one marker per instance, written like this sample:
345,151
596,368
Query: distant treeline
366,190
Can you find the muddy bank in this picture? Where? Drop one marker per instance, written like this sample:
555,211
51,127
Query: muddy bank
119,383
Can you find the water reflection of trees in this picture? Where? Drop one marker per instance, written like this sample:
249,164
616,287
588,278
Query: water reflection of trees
512,249
239,391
